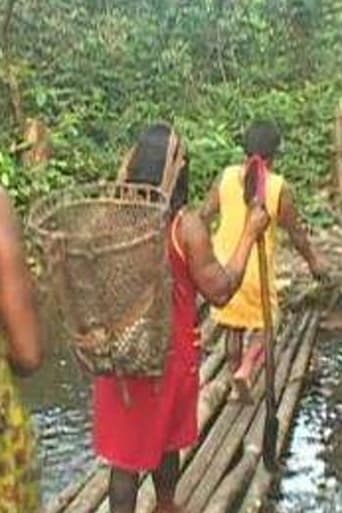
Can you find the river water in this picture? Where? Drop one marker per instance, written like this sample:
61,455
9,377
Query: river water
312,478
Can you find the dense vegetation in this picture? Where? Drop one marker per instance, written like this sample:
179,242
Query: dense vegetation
97,70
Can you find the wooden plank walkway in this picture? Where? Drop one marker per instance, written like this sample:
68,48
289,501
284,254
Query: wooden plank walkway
225,469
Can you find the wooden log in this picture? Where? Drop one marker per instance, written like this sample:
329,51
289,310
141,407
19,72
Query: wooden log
215,359
69,493
236,482
262,480
230,446
225,422
92,494
210,401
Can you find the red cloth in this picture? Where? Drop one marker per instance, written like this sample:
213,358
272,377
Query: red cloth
258,165
163,417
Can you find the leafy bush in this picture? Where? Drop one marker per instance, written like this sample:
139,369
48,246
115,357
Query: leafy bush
98,71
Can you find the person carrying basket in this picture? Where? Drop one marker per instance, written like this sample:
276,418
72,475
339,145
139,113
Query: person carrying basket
162,419
126,261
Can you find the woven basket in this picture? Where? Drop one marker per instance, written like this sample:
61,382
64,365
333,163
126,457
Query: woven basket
103,250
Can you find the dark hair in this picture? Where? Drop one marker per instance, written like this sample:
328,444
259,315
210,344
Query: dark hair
148,161
262,138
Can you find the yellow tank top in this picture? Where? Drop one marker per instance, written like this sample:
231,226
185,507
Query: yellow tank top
244,310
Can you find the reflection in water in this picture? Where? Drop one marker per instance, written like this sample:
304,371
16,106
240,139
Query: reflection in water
60,400
64,447
312,482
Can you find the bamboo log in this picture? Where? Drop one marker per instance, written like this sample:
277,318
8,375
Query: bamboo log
211,399
215,359
262,480
225,422
69,493
235,483
92,496
231,444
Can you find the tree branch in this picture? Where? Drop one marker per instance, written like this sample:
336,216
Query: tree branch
6,25
11,79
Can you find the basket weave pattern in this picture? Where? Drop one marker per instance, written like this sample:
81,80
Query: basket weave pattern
104,254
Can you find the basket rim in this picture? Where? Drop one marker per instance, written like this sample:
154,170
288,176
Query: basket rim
44,207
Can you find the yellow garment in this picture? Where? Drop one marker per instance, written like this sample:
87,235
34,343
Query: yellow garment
19,491
244,310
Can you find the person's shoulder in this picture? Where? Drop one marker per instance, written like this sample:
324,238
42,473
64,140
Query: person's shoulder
278,181
190,218
192,225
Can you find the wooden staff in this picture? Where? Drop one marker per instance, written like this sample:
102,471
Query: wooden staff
271,421
255,189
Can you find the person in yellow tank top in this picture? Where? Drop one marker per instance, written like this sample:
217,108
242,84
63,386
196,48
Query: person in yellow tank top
243,314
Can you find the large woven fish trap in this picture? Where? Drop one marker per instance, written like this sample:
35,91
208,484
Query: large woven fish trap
103,250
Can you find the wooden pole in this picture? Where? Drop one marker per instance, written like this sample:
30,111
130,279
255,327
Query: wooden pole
271,421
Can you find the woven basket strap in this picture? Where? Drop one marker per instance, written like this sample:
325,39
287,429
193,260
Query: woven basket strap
123,170
173,164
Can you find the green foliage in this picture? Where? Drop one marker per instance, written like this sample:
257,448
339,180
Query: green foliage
98,71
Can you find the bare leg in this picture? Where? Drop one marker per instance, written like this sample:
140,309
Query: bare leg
123,489
234,351
234,347
165,479
253,357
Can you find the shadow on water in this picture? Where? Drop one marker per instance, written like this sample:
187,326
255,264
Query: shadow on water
312,480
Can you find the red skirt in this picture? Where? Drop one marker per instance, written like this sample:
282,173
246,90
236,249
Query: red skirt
162,416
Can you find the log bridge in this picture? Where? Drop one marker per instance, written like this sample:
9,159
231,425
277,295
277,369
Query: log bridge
225,471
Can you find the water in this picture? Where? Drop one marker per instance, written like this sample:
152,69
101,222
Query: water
312,482
312,479
60,400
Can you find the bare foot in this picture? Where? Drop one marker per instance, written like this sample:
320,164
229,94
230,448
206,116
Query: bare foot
234,393
241,390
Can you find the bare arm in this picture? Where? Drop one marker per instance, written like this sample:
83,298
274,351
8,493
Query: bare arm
215,282
211,206
16,296
289,219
